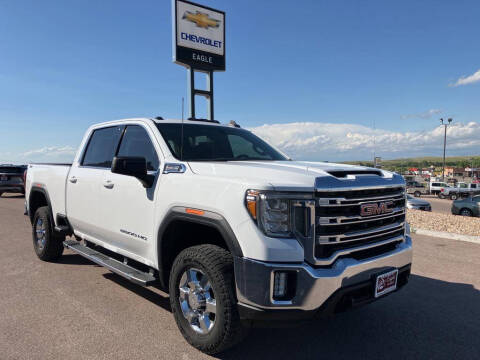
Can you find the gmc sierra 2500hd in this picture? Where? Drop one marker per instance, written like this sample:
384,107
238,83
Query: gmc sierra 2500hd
233,229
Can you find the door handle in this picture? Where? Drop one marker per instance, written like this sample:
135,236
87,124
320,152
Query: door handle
73,179
108,184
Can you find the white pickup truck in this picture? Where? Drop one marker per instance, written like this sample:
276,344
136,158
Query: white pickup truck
234,230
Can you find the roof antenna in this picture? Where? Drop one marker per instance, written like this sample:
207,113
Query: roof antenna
181,140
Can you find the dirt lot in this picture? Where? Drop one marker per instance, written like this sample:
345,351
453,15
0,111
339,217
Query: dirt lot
76,310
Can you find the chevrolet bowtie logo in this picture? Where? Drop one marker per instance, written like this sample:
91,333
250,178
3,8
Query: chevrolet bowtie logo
201,19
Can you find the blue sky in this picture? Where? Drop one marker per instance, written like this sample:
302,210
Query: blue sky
340,65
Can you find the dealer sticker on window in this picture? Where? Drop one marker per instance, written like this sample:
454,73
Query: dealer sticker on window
386,283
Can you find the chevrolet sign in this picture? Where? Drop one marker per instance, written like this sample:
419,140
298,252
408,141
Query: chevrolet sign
199,36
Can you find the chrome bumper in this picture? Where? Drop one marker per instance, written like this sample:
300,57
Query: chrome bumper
314,285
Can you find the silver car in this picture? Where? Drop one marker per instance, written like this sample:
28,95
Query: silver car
418,204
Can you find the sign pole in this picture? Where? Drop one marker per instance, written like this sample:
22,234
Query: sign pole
191,90
208,94
210,98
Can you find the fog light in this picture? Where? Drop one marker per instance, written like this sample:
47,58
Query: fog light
280,285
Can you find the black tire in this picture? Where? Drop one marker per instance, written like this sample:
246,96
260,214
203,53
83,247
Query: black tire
466,212
453,196
217,264
48,245
441,196
1,193
417,194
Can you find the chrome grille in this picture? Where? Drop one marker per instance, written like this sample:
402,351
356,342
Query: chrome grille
340,230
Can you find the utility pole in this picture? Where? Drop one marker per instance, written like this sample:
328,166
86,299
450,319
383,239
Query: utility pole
445,124
471,168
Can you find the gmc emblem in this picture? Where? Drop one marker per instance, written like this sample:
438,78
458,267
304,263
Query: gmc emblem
380,208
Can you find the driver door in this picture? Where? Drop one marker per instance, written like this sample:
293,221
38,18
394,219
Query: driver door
128,206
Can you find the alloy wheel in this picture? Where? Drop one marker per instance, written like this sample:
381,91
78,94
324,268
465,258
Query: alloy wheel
197,300
40,232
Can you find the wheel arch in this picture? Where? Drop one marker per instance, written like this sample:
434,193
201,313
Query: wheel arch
178,215
37,198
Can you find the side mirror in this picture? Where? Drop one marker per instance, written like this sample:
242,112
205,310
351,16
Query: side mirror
133,166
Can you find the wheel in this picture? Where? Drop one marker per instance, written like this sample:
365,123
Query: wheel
47,244
466,212
453,196
417,194
202,297
441,196
1,193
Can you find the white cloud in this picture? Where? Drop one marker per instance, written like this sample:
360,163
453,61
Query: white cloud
335,142
47,154
424,115
465,80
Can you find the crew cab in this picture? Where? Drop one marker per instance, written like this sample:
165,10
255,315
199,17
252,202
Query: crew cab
235,231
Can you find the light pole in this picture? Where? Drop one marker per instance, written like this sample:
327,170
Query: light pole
445,124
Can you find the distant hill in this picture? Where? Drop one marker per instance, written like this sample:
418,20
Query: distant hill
423,162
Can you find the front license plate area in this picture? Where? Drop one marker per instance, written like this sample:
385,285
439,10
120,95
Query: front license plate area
386,282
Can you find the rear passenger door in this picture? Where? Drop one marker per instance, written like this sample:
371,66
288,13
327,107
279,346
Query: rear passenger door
85,182
128,206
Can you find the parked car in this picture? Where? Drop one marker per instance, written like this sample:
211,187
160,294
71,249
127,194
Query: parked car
461,190
418,204
12,178
467,207
233,229
417,189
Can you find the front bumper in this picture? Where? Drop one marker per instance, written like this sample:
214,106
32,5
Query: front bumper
317,289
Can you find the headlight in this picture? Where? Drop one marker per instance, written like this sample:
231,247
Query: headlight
271,212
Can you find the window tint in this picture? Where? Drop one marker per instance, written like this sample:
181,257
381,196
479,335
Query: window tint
102,146
243,148
216,143
136,142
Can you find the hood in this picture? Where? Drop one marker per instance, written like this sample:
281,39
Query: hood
282,175
418,202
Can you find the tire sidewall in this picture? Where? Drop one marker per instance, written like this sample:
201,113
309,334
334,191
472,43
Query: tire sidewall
193,337
53,247
40,214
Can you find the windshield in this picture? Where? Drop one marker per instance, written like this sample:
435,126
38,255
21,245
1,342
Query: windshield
216,143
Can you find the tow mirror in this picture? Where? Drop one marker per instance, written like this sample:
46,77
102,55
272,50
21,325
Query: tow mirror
133,166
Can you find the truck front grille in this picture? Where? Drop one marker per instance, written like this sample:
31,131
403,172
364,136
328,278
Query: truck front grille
342,231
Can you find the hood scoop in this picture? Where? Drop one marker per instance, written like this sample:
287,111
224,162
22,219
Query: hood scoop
346,173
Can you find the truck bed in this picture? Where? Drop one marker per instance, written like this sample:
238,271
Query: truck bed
53,175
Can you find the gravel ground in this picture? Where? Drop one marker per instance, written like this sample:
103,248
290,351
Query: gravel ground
444,222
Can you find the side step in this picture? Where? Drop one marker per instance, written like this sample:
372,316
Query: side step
126,271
